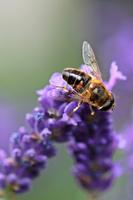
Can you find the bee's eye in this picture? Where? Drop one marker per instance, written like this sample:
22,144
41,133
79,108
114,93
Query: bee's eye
108,104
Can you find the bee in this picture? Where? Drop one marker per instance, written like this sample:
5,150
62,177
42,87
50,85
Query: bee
89,87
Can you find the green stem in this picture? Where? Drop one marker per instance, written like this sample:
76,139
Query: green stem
94,196
8,196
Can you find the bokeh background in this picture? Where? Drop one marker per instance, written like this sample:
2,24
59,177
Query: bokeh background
39,37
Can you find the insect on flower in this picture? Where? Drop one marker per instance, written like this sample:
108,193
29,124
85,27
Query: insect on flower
89,87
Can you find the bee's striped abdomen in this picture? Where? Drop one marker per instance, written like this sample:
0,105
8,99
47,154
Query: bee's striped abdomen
76,78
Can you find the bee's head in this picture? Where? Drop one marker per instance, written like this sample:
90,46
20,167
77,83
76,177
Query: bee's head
109,104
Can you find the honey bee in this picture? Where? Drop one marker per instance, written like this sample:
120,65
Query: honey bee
89,87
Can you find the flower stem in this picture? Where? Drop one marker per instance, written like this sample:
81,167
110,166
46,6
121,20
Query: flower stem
8,196
94,196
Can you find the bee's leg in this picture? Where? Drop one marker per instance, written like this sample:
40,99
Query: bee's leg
91,109
61,87
77,107
66,90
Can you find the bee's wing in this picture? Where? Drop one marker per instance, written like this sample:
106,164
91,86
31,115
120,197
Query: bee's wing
90,60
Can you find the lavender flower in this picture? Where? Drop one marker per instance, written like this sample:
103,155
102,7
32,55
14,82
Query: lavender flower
91,140
29,154
92,147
